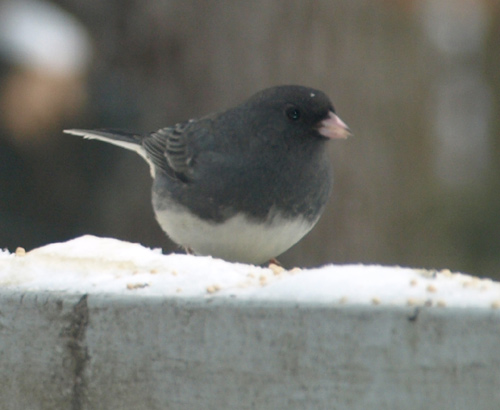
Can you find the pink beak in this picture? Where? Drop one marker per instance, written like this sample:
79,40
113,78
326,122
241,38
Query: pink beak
333,127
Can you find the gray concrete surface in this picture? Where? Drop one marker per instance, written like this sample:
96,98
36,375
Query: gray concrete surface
71,351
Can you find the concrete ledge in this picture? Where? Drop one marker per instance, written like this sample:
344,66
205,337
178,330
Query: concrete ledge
101,324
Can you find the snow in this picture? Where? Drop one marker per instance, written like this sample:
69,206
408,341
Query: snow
108,266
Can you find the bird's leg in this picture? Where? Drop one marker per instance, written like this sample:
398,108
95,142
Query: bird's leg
275,261
188,250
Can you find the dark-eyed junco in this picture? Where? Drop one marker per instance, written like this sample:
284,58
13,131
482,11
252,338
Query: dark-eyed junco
243,184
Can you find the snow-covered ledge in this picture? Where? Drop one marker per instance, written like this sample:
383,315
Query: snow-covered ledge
102,324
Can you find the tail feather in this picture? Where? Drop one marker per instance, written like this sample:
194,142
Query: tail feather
108,135
124,139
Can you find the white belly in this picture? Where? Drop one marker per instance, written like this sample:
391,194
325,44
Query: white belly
237,239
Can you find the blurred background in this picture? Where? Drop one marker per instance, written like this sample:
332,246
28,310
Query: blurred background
418,82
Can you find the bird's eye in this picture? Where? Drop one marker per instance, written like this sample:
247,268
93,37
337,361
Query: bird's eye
293,113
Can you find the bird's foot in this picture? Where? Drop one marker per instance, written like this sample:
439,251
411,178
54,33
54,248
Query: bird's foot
274,261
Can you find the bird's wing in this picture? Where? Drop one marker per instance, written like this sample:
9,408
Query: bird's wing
167,149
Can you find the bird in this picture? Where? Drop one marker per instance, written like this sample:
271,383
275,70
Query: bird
244,184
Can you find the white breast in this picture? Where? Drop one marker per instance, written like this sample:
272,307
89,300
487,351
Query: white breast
237,239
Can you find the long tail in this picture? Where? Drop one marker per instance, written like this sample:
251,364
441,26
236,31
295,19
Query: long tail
124,139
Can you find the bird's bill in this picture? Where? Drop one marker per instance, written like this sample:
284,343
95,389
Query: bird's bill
333,127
